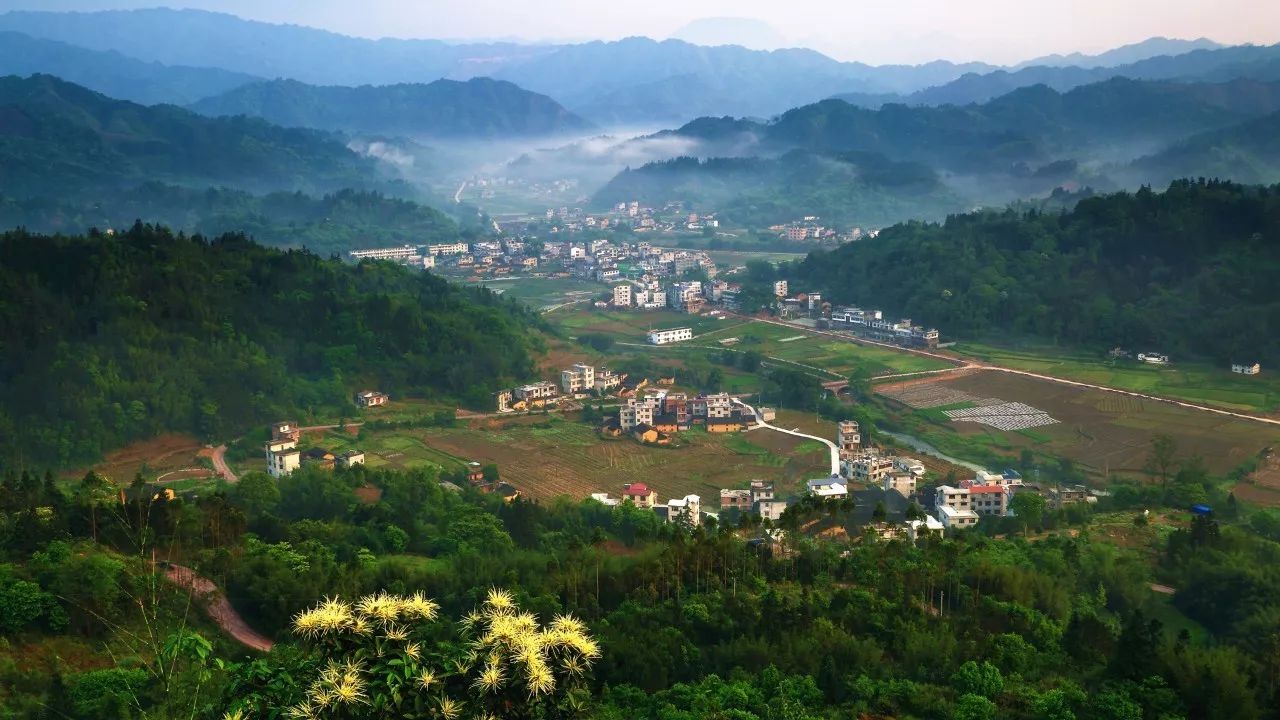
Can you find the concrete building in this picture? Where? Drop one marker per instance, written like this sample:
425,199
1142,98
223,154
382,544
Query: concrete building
780,288
953,519
402,253
673,335
848,438
827,488
640,494
1246,368
903,483
606,380
866,467
687,508
637,412
350,459
579,378
283,457
535,391
736,499
286,430
989,499
502,401
448,249
761,491
371,398
917,529
771,509
622,295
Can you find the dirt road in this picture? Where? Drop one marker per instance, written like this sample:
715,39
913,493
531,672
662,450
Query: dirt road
219,458
216,604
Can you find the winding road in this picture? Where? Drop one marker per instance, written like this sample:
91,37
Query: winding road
219,458
218,607
835,451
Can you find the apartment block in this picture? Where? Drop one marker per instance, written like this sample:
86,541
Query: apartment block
673,335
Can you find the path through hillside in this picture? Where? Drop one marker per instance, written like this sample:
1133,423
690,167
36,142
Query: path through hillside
216,604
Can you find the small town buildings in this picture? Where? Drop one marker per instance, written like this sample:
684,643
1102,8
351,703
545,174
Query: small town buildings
371,398
350,459
448,249
535,391
909,465
286,430
736,500
771,509
685,509
607,380
1246,368
622,295
579,378
402,253
639,494
955,519
989,499
827,488
867,467
637,411
848,438
282,457
672,335
902,483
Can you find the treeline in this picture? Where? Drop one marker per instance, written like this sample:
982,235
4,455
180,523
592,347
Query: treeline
328,224
1191,270
691,624
106,339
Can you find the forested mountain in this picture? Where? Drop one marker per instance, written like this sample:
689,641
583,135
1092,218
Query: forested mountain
330,224
107,339
1203,65
1248,153
114,74
477,108
1133,52
1188,271
60,138
852,187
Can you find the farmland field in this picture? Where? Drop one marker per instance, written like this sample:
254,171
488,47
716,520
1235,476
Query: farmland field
544,292
837,356
1194,382
546,456
1102,431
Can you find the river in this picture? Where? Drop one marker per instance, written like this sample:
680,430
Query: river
919,445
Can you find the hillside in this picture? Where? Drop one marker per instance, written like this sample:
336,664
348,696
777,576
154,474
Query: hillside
846,188
145,332
477,108
1248,153
1190,271
58,138
114,74
329,224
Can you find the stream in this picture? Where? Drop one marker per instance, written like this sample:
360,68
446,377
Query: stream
921,446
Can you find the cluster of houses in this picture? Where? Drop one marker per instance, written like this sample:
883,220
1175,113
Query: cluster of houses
283,455
1160,359
659,413
580,380
810,228
872,324
670,218
687,509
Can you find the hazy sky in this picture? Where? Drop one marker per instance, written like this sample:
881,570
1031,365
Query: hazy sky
877,31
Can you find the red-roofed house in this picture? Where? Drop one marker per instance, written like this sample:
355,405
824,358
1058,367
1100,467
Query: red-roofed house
641,494
989,499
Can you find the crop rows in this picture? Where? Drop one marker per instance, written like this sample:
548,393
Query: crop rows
1005,416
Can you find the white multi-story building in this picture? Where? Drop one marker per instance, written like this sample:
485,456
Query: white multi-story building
780,288
403,253
868,467
283,457
673,335
638,412
771,509
848,438
761,491
989,499
903,483
828,487
622,295
448,249
579,378
535,391
909,465
687,508
953,519
1246,368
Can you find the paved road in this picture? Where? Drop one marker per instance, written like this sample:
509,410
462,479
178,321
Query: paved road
220,464
216,604
1038,376
457,197
835,451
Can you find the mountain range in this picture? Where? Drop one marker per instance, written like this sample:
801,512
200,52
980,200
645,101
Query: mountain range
57,138
634,81
479,107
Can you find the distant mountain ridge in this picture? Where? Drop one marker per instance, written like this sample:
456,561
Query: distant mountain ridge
1133,52
480,107
114,74
57,138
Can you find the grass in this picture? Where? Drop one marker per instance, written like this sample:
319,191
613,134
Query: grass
1192,381
542,292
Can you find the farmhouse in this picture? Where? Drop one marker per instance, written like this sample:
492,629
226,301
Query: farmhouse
640,494
848,438
1246,368
502,401
1154,358
351,458
286,430
320,457
282,457
735,500
535,391
673,335
579,378
771,509
371,398
954,519
761,491
829,487
902,483
909,465
867,467
687,508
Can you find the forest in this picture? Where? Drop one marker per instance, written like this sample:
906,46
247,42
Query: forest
725,620
108,338
1187,271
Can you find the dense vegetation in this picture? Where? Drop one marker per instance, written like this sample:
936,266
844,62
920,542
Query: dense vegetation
477,108
1246,153
57,138
851,187
691,624
332,224
106,339
1189,270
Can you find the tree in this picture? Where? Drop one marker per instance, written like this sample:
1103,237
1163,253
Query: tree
879,513
257,494
974,707
1162,459
984,680
1029,508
